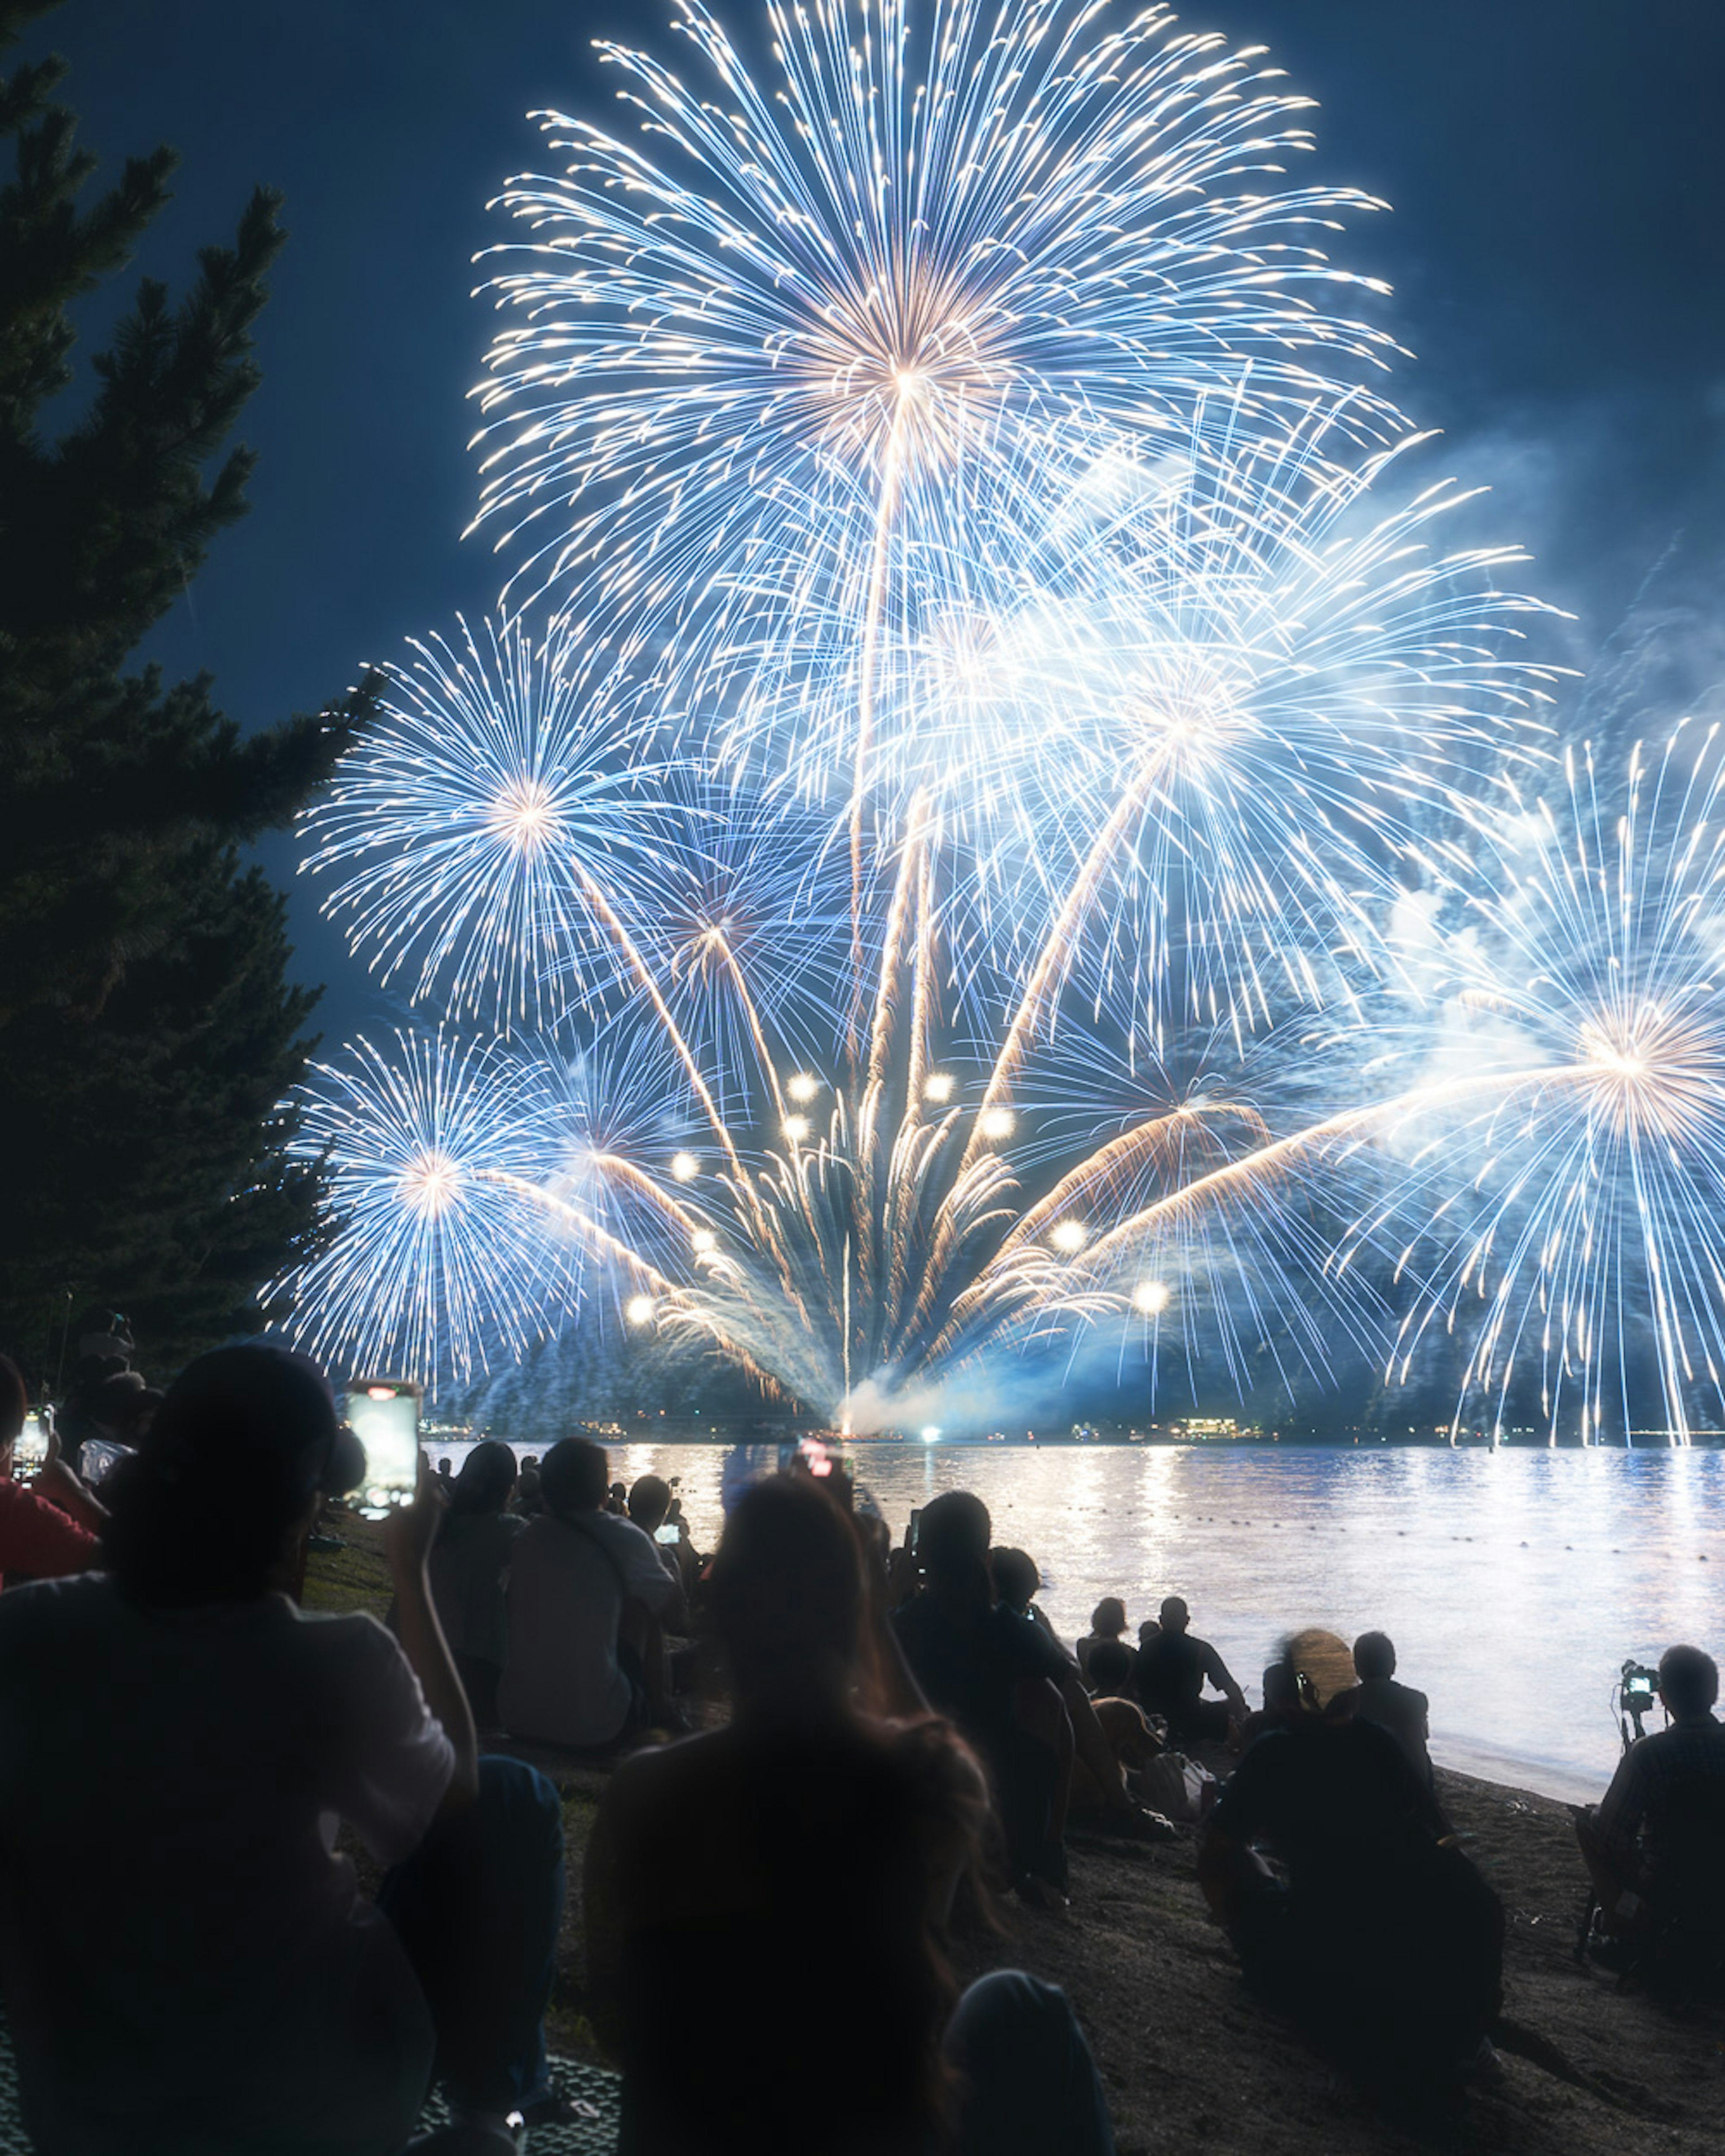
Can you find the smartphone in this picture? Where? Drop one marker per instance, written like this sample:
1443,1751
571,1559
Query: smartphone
31,1449
667,1536
913,1531
384,1415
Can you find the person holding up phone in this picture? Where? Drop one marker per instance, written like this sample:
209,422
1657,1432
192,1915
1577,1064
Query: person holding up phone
210,1979
49,1529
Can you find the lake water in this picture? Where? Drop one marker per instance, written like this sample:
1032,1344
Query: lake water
1514,1584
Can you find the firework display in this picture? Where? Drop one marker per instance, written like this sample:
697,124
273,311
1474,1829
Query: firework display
995,828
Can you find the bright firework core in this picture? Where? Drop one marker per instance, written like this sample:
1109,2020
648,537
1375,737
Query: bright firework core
1659,1071
429,1183
524,813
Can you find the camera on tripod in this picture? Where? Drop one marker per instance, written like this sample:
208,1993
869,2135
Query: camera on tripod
1638,1691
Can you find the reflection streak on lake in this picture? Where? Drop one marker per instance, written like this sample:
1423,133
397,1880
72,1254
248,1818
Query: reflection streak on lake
1517,1646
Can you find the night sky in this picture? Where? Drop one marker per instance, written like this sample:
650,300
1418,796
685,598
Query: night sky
1557,244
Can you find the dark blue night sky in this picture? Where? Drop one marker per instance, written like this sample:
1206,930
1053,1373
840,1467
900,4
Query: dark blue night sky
1557,245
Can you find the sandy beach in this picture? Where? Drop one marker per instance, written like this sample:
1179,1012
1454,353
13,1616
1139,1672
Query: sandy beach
1190,2061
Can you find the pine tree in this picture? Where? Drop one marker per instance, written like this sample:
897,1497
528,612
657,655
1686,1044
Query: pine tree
147,1029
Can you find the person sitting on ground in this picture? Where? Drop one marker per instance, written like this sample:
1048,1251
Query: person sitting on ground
1112,1666
469,1560
1405,1714
1107,1621
1173,1670
648,1504
243,1996
708,1856
651,1505
1654,1847
1379,1934
582,1585
49,1529
1018,1579
1281,1704
1013,1694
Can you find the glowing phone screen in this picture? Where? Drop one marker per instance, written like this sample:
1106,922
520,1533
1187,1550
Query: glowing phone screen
384,1414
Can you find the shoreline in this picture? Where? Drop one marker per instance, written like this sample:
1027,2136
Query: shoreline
1553,1781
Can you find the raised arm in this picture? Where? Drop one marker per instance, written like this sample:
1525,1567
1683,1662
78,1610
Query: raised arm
407,1539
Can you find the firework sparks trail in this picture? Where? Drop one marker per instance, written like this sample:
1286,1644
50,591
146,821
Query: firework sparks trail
435,1258
1589,1238
945,234
996,663
790,327
460,825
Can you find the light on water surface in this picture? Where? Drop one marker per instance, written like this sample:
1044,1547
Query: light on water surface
1514,1584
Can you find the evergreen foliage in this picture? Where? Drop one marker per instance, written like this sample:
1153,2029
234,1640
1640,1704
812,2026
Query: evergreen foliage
147,1028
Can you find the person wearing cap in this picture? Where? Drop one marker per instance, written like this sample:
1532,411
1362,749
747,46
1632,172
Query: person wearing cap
208,1980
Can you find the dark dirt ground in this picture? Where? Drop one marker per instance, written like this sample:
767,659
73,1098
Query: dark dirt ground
1192,2062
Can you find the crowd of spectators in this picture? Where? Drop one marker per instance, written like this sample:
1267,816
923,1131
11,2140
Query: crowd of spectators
899,1737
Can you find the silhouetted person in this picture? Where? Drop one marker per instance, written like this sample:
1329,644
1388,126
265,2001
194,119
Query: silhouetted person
1405,1714
1014,1694
649,1506
1112,1666
1379,1935
49,1529
106,1350
1173,1668
1281,1703
1018,1578
648,1503
1107,1621
1656,1846
209,1981
810,1852
469,1561
582,1583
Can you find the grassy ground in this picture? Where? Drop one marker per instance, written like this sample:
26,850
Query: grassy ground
1191,2062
